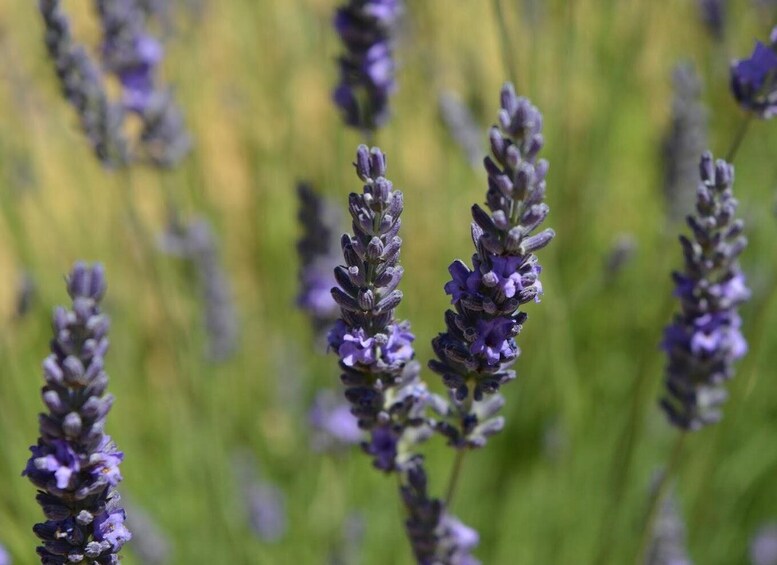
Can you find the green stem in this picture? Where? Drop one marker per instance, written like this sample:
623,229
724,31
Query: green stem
504,42
453,481
743,127
656,500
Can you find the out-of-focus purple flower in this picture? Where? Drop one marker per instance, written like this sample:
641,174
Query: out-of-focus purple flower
26,291
763,547
462,127
621,252
267,510
75,464
133,56
5,558
713,16
476,350
317,249
366,27
82,86
332,423
668,544
705,340
197,243
684,141
149,542
754,80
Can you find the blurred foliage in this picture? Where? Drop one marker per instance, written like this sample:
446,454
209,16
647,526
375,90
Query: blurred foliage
254,77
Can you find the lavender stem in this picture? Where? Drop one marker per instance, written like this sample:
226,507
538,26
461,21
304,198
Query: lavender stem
504,42
454,478
740,136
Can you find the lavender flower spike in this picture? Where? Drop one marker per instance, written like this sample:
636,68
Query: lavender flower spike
754,80
317,249
478,347
366,27
382,384
704,339
75,465
83,88
133,56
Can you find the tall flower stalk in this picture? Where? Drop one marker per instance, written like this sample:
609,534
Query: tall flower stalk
475,352
367,29
75,465
376,355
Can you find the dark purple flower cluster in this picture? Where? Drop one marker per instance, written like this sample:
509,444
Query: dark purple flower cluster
375,350
317,250
366,27
133,56
435,536
476,350
75,465
83,88
684,142
705,338
713,15
754,80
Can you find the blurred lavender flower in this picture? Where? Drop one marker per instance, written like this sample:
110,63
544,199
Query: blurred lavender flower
197,243
347,550
462,127
704,340
75,465
475,352
317,250
382,384
668,545
763,547
26,291
754,80
83,88
435,536
265,502
684,141
149,543
332,423
5,559
621,252
366,27
713,16
133,56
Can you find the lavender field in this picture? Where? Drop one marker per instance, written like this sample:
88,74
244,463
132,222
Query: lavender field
175,178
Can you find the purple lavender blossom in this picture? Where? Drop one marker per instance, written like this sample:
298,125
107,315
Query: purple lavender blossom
754,80
197,243
317,249
332,423
267,511
705,340
366,27
75,464
435,536
82,86
668,544
476,350
684,141
713,16
5,559
133,56
462,127
763,547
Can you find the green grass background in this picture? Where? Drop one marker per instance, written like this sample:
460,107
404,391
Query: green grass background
253,78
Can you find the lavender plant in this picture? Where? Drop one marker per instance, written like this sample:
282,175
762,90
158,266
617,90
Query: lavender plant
367,29
668,544
684,141
75,465
754,80
476,351
376,355
705,340
132,55
317,250
5,559
197,243
82,85
763,547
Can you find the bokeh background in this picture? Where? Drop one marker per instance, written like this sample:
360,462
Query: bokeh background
254,79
